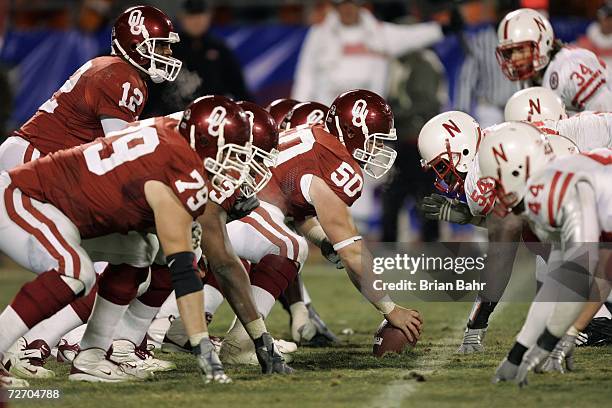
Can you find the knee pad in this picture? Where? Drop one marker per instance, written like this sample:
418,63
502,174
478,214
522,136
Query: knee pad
273,273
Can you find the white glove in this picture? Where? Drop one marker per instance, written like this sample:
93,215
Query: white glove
472,341
534,356
302,328
506,371
563,352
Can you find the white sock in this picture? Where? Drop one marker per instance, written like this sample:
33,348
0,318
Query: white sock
169,308
135,322
535,323
305,295
12,328
100,331
212,299
52,329
264,301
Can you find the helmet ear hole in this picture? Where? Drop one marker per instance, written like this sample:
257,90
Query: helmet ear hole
515,173
466,152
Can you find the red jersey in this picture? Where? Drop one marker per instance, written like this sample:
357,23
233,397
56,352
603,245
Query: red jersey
99,186
102,87
304,152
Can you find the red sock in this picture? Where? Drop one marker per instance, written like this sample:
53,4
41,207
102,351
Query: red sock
273,273
159,288
84,305
119,283
42,298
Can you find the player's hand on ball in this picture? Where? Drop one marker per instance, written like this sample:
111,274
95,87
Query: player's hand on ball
209,364
407,320
270,360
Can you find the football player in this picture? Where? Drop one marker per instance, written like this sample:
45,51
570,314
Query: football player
152,175
317,177
529,51
279,108
565,201
102,96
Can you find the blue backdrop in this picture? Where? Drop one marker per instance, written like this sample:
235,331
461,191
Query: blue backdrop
43,60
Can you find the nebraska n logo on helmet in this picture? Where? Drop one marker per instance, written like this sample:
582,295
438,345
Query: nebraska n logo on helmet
363,122
135,36
535,104
448,144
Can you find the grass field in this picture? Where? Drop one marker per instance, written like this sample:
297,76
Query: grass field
347,375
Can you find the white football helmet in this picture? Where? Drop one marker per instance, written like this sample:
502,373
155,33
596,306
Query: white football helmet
508,156
448,144
525,41
562,146
535,104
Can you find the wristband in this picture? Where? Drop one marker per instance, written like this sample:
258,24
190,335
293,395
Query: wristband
384,305
350,241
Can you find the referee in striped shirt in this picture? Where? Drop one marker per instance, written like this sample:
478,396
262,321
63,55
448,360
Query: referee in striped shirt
481,88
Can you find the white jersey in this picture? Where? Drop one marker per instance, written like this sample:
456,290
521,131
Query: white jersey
588,130
548,191
579,77
478,193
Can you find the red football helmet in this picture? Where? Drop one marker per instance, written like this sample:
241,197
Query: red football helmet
136,33
363,121
264,139
280,108
305,113
218,130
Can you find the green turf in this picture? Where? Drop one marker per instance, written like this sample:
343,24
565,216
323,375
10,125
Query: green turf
347,375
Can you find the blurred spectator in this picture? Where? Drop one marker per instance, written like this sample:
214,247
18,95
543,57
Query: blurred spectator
418,90
6,103
598,37
352,49
209,66
482,90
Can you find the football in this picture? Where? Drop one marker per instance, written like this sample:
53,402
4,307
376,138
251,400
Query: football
389,339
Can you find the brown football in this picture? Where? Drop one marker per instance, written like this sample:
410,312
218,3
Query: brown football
389,339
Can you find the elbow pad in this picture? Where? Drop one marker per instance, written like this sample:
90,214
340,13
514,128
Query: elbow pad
185,277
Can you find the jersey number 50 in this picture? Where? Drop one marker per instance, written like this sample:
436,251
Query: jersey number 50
345,176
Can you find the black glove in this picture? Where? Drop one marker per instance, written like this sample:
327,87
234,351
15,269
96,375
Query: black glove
456,23
242,207
328,251
439,208
270,360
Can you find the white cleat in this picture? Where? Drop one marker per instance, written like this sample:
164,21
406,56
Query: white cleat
28,360
141,357
7,381
91,365
242,351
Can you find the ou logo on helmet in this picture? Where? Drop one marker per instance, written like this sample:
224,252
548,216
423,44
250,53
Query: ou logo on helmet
360,113
216,121
136,22
315,116
251,117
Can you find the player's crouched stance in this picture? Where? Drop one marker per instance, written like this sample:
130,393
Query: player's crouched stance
564,199
153,175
